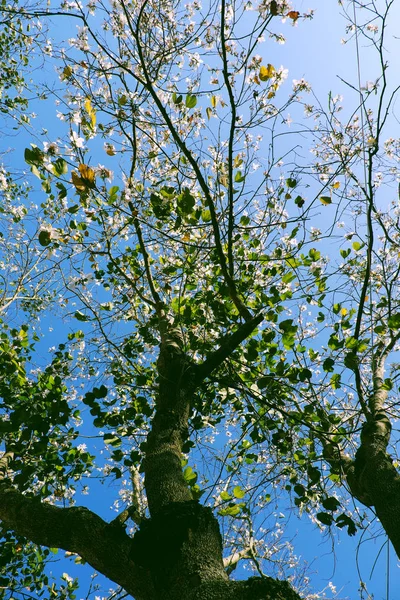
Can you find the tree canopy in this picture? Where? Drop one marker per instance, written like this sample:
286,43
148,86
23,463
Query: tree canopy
219,288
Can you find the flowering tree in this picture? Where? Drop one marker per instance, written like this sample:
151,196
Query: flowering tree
189,295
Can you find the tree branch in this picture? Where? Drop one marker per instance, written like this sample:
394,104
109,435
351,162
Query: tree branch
104,546
227,345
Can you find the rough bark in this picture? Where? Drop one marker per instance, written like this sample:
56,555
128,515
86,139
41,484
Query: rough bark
373,479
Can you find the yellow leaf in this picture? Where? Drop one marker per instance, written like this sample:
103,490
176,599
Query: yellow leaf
343,312
336,185
90,111
209,112
214,101
87,173
266,72
78,182
110,150
186,237
88,106
67,72
326,200
86,180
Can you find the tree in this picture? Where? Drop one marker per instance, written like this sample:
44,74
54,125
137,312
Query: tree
185,281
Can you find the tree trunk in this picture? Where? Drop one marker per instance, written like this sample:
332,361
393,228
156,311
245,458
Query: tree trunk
374,480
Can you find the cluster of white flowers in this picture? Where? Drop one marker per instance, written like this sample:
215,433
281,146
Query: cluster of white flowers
3,179
301,85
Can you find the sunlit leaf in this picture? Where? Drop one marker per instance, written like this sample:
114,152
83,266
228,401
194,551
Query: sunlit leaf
394,321
110,150
225,496
86,180
239,178
66,73
325,200
91,112
266,72
177,99
190,101
238,492
60,167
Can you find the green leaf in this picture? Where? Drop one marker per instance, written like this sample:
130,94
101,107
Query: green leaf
185,202
350,360
230,511
331,503
177,99
60,167
44,238
328,365
238,492
380,329
80,316
387,384
112,193
225,496
34,156
239,177
335,381
358,246
394,321
344,521
190,476
325,518
190,101
161,208
168,192
291,182
300,490
305,374
334,343
299,201
112,439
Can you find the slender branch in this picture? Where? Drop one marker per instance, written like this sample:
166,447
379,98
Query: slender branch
231,138
145,254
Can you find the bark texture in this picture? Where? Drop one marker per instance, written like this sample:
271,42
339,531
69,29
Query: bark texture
373,479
